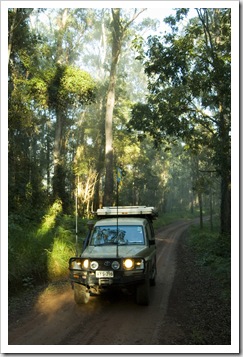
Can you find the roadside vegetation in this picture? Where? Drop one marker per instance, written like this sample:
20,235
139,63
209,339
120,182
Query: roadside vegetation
213,250
200,299
39,253
170,217
202,287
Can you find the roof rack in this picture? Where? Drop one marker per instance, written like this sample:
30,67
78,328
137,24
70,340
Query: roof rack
132,211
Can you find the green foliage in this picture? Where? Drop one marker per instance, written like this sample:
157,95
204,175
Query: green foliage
58,255
189,90
26,259
79,83
49,220
170,217
214,251
40,252
70,86
183,76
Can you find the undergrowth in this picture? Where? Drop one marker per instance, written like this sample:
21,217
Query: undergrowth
170,217
213,250
39,252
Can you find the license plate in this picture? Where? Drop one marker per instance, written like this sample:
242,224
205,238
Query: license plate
104,274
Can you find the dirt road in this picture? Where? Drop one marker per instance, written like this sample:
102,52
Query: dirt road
55,319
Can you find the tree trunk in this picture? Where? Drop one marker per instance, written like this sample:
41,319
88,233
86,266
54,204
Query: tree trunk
225,171
19,16
200,208
48,162
96,200
118,32
59,190
211,206
59,168
116,49
225,205
11,34
108,194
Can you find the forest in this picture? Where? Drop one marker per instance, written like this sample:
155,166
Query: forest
104,107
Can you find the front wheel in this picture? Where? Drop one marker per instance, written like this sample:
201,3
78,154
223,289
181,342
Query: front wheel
143,293
81,294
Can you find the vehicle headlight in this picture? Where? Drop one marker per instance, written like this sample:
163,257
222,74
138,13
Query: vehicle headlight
115,265
128,264
75,264
133,264
94,265
86,263
139,264
78,263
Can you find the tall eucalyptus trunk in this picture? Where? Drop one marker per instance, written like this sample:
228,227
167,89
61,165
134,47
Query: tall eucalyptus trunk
117,35
58,153
119,29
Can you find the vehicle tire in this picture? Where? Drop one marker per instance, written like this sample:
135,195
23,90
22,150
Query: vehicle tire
153,279
143,293
81,294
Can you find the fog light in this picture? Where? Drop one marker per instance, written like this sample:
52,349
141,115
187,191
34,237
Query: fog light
115,265
94,265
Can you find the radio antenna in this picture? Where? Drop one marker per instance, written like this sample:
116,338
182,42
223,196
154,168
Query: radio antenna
76,228
118,180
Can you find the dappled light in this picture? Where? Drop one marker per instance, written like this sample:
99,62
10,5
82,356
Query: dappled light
57,257
49,219
116,107
165,240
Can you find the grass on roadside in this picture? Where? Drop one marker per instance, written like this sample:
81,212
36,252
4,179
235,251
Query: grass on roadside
40,252
214,251
170,217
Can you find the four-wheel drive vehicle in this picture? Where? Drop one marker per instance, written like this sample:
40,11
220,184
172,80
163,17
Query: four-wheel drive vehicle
119,252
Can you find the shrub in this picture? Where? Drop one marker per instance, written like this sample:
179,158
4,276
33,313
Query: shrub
38,252
214,251
58,256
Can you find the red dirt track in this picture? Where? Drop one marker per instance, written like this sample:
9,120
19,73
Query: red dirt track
55,319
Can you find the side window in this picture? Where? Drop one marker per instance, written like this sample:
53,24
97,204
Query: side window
148,232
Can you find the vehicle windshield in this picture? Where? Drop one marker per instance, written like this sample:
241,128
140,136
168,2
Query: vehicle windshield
106,235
